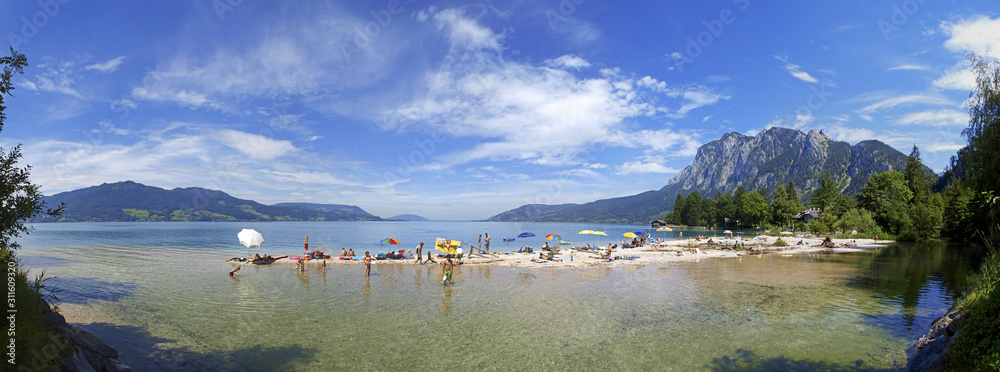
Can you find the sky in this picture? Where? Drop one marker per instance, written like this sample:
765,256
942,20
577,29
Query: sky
463,110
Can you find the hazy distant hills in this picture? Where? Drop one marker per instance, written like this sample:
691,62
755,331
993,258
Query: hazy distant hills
408,217
773,157
130,201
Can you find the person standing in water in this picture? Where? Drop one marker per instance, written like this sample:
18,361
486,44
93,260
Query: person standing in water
447,267
487,241
420,248
368,264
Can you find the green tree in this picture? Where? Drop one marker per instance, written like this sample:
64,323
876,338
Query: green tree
785,204
19,200
692,208
753,209
711,208
726,211
925,219
678,218
983,132
957,212
826,194
983,135
916,179
857,219
887,196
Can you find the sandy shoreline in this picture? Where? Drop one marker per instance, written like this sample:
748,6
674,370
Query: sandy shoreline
657,252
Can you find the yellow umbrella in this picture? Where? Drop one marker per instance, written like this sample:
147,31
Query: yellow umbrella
586,232
601,233
447,245
664,229
630,235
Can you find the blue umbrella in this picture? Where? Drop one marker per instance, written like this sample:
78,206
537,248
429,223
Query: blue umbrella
639,232
525,235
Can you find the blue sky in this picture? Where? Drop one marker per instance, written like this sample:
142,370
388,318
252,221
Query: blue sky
461,110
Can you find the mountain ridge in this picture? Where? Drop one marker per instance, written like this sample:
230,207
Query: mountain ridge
132,201
770,158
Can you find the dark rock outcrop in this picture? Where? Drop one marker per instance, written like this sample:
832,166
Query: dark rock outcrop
90,352
934,344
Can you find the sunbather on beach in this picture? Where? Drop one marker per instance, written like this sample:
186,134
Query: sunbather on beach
343,252
351,252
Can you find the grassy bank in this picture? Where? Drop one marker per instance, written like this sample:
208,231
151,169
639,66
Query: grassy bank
38,346
976,346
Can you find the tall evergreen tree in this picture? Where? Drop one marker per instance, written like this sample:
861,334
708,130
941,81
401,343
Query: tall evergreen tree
826,194
915,177
678,210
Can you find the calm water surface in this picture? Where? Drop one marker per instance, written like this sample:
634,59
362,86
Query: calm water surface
160,294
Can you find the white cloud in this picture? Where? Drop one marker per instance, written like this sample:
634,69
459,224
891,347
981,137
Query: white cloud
107,66
718,78
979,34
885,101
465,33
634,167
568,61
801,75
309,54
943,146
909,68
54,77
184,155
796,70
576,30
851,135
958,77
183,97
518,111
254,146
866,117
937,118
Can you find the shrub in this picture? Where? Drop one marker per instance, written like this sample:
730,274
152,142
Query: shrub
976,346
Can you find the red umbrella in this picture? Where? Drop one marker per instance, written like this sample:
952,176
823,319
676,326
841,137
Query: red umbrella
389,241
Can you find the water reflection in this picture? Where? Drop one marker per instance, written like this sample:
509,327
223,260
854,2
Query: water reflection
446,300
916,281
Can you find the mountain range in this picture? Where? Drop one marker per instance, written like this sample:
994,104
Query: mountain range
407,217
775,156
130,201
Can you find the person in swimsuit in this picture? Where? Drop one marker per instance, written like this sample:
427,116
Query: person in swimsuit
368,264
447,266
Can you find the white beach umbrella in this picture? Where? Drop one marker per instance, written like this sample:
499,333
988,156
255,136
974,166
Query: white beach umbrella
250,238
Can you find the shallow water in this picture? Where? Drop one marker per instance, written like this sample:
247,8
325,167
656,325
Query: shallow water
160,294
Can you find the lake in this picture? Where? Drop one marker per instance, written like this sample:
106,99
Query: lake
160,294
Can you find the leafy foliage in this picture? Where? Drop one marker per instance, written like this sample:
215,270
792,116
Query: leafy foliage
20,200
887,196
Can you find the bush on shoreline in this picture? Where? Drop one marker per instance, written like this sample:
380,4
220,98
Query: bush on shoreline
40,347
976,346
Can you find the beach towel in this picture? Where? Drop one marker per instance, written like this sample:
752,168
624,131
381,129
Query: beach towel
447,245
